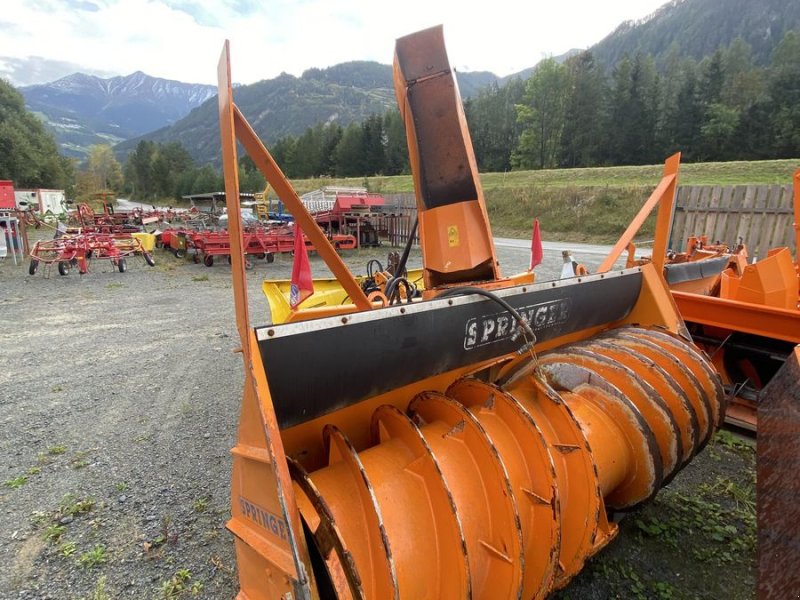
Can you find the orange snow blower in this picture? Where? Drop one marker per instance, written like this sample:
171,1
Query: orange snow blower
464,445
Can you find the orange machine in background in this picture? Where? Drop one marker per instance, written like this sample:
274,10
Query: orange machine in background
466,445
745,316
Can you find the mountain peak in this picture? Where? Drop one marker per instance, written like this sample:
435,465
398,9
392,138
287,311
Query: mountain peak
84,109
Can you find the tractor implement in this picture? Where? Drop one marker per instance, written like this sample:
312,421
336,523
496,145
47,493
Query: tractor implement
745,316
468,444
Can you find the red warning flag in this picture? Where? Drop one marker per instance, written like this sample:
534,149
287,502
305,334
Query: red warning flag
302,282
536,245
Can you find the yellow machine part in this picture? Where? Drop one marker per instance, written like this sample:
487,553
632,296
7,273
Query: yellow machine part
327,292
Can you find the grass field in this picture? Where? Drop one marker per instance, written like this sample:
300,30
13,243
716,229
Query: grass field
721,173
590,204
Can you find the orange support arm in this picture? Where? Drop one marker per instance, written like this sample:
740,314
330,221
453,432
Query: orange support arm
664,197
270,169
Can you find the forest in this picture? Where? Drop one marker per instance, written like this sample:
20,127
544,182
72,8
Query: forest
569,114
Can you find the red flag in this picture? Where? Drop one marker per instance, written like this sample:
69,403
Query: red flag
302,283
536,245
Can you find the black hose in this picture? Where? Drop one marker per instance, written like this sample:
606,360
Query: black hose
401,265
392,290
465,290
370,272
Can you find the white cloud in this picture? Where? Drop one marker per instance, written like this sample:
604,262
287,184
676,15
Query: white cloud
182,39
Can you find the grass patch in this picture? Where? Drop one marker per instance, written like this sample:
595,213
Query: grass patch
67,549
200,505
71,506
94,557
16,482
56,450
179,585
99,592
200,278
53,533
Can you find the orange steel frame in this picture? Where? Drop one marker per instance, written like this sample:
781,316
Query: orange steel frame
664,198
384,519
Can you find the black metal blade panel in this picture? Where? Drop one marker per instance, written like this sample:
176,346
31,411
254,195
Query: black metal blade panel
700,269
317,367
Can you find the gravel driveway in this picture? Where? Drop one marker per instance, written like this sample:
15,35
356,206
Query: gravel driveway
119,401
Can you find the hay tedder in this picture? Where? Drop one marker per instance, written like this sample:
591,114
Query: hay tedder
468,444
79,249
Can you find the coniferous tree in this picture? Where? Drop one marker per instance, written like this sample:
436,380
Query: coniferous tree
541,115
396,146
784,90
582,139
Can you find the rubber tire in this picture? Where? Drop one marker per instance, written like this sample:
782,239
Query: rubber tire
230,260
180,253
63,268
148,258
270,257
33,267
122,265
196,258
208,261
248,264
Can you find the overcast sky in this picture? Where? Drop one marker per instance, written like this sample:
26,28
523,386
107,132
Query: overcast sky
42,40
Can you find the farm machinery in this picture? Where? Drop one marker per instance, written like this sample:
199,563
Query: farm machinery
475,442
745,315
77,250
260,242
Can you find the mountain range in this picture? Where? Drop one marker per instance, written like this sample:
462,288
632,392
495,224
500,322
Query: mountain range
84,110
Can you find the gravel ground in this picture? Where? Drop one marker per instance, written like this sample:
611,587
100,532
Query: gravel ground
119,401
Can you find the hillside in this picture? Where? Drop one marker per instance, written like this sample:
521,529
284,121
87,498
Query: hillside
288,105
696,28
83,110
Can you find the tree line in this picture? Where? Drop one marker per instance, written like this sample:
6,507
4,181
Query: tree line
570,114
574,114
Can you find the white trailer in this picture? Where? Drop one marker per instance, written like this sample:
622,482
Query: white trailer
46,201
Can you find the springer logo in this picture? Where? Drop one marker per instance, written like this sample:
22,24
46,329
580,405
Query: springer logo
498,327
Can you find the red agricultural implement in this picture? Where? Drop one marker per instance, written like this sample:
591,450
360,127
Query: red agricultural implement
78,250
261,243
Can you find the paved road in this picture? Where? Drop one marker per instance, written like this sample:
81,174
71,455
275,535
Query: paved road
577,249
514,256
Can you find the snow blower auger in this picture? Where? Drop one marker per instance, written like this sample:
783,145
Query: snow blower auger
467,445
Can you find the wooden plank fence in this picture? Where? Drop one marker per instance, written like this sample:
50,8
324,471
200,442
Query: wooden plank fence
396,225
759,215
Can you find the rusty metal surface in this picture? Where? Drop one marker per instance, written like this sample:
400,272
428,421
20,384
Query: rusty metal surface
778,486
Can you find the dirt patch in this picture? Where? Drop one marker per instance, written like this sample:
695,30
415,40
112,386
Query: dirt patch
119,403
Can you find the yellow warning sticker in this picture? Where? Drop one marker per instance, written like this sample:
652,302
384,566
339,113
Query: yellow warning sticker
452,236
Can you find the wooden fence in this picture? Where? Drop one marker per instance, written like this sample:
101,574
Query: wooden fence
761,216
396,225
